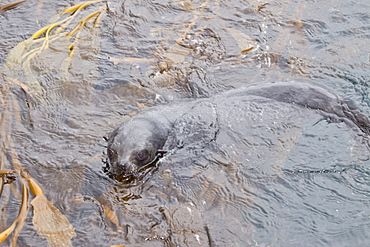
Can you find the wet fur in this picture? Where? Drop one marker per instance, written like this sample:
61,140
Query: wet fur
149,129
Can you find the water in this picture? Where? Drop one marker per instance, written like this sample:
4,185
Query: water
144,53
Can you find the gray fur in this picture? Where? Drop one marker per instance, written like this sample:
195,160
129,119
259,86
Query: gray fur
151,129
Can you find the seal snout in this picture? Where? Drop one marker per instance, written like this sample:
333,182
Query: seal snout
126,168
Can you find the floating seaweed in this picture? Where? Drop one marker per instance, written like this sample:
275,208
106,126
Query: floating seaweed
67,28
11,5
48,221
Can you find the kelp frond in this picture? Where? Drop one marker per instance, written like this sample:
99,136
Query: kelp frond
11,5
48,221
63,27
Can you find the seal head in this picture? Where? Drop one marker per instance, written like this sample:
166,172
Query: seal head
134,146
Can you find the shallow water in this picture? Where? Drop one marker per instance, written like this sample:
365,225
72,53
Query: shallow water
312,192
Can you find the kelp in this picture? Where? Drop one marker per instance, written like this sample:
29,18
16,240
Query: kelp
186,41
11,5
65,29
18,223
48,221
8,114
68,27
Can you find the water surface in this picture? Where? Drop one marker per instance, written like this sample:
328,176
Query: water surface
57,107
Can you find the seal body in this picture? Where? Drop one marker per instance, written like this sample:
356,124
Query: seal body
223,120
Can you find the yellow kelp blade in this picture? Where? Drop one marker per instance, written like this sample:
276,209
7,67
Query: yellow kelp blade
11,5
48,221
80,6
7,232
19,221
81,24
51,224
7,172
15,54
77,7
34,186
21,58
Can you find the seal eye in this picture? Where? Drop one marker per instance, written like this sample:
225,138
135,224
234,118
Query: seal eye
142,155
111,153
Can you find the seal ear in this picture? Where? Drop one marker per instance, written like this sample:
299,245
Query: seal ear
160,153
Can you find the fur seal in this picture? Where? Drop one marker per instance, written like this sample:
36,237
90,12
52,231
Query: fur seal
140,140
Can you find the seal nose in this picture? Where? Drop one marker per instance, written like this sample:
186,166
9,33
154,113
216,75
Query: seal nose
125,168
